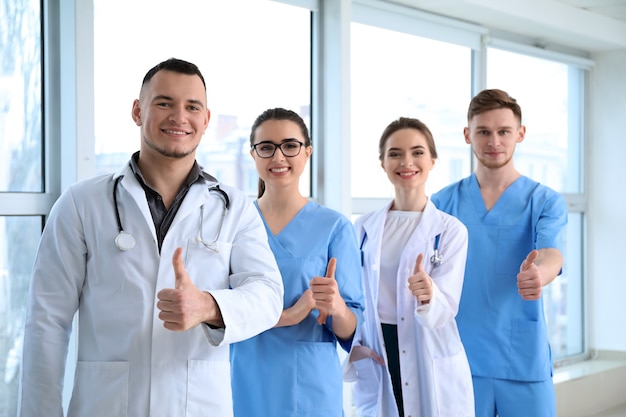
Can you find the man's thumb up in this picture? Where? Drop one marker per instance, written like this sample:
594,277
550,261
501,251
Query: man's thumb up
181,278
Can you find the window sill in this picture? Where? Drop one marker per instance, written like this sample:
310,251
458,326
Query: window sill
590,387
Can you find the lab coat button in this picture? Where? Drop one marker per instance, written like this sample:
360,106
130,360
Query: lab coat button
401,318
403,352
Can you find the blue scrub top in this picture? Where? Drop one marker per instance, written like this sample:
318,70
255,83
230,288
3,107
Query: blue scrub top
505,336
295,370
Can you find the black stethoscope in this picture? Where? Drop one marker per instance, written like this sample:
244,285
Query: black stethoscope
436,259
125,241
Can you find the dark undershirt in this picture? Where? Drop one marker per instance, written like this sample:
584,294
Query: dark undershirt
161,215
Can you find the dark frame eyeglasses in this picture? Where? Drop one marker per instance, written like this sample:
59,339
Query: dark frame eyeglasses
289,148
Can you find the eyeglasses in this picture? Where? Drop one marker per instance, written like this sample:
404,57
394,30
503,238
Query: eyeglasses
289,148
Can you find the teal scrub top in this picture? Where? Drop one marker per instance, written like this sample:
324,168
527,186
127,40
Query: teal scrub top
505,336
295,371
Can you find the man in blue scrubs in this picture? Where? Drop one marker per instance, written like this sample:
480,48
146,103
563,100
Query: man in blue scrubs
515,237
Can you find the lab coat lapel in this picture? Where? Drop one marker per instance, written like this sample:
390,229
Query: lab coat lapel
131,185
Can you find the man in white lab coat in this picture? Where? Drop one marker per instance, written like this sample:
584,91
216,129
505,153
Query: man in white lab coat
165,266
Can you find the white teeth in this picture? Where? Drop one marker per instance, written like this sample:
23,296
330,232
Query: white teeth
407,174
279,169
175,132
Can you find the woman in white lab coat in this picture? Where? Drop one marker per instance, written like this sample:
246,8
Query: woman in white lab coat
137,356
408,359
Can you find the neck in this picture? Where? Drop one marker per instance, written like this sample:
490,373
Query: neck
281,200
409,200
165,175
496,178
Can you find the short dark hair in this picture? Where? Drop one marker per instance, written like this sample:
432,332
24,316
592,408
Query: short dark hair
174,65
406,123
492,100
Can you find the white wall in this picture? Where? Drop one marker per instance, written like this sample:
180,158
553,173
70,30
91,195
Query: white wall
606,148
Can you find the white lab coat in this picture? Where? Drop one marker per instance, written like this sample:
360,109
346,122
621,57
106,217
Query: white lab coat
436,378
128,363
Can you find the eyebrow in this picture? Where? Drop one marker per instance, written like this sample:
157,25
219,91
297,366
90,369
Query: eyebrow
497,128
413,147
282,141
168,98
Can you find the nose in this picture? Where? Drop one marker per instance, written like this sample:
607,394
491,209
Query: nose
278,154
494,140
407,161
178,114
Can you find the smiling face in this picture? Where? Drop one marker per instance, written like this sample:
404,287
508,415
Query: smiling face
279,170
493,135
172,114
406,159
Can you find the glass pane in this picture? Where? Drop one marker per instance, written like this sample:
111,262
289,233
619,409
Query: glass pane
563,298
253,54
549,96
396,74
20,97
19,236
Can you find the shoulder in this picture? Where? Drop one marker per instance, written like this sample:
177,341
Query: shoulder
542,192
450,222
364,218
449,191
323,213
86,190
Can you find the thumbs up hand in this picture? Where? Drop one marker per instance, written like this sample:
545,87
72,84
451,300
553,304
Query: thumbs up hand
529,283
420,283
326,293
185,306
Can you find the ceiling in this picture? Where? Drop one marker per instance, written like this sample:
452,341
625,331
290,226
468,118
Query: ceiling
585,25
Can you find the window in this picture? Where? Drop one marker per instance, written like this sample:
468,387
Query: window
249,64
20,97
397,74
21,179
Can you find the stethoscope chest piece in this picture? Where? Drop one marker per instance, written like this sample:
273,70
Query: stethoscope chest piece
437,258
124,241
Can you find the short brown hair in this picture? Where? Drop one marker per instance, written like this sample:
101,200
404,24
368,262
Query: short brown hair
492,100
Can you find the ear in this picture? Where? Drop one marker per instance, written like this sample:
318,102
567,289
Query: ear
136,112
206,119
521,134
466,134
433,160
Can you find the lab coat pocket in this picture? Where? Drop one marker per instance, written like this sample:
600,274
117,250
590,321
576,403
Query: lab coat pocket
208,265
453,386
208,388
367,386
100,389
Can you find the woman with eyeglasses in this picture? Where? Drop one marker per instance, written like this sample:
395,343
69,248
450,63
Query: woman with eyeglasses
294,368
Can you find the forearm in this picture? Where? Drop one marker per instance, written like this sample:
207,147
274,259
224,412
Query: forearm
549,262
287,318
344,324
